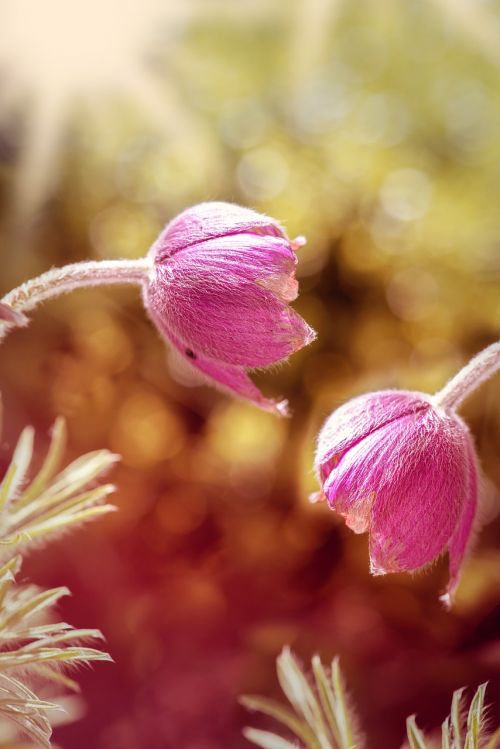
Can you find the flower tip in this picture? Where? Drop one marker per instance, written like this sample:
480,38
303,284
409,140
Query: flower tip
310,335
447,600
316,497
281,408
377,570
448,597
298,242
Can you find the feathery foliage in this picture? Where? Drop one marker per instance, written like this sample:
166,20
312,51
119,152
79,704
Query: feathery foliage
322,717
51,502
33,649
460,730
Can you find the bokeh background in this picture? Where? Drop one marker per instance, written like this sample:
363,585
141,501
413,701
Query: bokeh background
371,126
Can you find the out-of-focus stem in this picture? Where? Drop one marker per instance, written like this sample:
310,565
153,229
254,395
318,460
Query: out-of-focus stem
480,368
62,280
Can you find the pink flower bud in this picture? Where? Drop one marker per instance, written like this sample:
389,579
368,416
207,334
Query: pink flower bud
404,470
219,291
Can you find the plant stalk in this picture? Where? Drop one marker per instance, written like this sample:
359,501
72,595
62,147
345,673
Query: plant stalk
63,280
480,368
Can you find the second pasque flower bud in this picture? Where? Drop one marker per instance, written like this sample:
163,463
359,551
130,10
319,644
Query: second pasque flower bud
403,469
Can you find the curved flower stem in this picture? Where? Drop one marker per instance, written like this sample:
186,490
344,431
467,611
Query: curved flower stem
480,368
62,280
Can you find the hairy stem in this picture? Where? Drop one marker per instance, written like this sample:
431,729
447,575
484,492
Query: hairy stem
62,280
480,368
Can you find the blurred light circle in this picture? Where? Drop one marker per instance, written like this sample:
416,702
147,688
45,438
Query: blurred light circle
406,194
382,119
122,231
145,430
262,173
320,105
243,124
412,294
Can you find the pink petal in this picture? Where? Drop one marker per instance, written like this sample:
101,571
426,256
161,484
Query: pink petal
209,221
420,494
226,377
349,488
268,261
403,483
460,541
216,300
359,418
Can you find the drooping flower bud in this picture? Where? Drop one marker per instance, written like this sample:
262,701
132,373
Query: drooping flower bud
217,283
402,468
219,290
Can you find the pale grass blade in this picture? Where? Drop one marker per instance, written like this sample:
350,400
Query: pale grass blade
267,740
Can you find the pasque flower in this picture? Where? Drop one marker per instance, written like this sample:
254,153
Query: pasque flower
217,284
222,280
402,466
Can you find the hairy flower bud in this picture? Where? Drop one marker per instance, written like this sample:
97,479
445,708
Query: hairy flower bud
219,290
403,469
